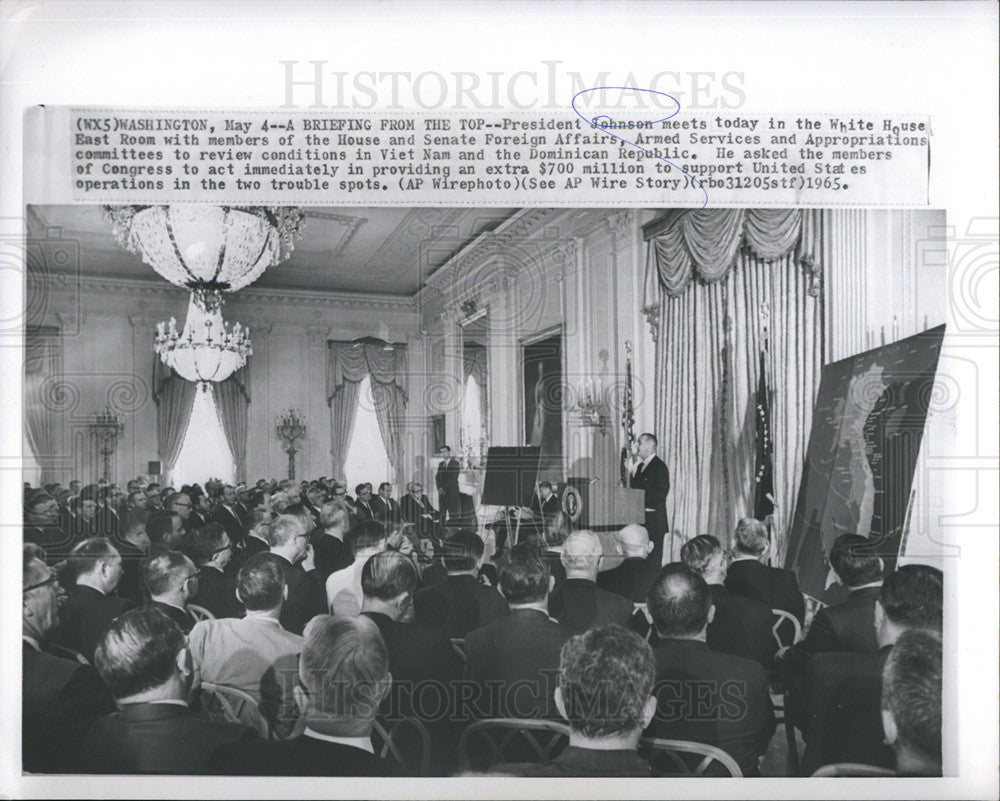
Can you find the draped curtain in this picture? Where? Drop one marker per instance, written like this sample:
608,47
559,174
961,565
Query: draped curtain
41,368
474,362
232,399
174,399
714,318
347,366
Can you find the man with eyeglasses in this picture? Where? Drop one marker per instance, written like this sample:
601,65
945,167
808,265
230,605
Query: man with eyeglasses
172,581
180,502
212,551
289,541
60,697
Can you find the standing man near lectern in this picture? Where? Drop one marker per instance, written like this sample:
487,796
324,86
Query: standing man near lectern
449,500
650,474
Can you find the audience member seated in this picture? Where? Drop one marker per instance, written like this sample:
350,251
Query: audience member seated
60,698
741,626
911,703
254,654
226,514
842,690
144,661
848,626
421,659
750,577
133,547
578,602
164,530
704,695
41,524
460,603
605,693
386,507
255,541
343,677
417,509
514,659
289,542
633,577
172,581
328,540
364,509
211,550
554,533
343,588
90,607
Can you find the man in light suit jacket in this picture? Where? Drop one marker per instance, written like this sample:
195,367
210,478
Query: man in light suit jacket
650,474
254,654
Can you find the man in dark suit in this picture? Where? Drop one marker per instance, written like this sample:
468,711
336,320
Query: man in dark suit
181,504
911,703
145,663
172,581
750,576
364,509
420,657
256,538
386,507
514,659
545,502
328,541
460,603
133,547
336,740
650,474
60,698
416,508
289,541
225,514
843,690
578,602
632,578
704,695
90,606
606,670
741,626
212,551
41,524
446,480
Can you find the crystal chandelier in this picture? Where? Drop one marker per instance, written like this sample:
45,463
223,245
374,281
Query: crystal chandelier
207,350
208,249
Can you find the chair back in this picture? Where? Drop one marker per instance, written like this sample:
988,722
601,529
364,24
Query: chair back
486,743
235,706
642,620
404,741
852,769
683,758
781,619
200,612
459,645
67,653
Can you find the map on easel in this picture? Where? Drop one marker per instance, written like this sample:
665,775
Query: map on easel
867,427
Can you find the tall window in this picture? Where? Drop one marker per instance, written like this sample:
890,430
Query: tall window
472,422
367,458
205,453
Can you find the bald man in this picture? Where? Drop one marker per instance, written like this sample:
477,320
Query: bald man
633,577
578,602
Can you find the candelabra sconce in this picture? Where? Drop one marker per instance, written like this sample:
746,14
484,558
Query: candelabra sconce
107,428
588,407
291,429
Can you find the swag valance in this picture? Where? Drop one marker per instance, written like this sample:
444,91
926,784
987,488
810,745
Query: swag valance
707,241
349,362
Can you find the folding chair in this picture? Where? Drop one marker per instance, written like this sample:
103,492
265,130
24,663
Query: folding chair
683,756
404,741
510,740
459,645
778,699
235,706
852,769
200,612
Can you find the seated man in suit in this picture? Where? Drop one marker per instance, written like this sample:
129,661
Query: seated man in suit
329,541
741,626
133,546
556,529
289,540
545,502
631,579
254,653
226,514
704,695
60,698
255,541
578,602
605,693
421,658
514,659
750,576
911,703
90,606
211,550
343,678
172,581
386,507
343,588
164,530
364,508
460,603
842,690
145,663
416,508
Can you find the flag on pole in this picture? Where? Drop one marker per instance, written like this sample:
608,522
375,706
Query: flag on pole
763,496
628,419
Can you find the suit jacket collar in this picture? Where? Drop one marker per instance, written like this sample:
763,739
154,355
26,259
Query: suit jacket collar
586,761
147,711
